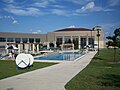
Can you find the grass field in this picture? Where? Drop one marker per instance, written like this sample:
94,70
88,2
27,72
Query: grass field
101,74
8,68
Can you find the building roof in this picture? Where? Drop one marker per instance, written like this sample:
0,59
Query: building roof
73,29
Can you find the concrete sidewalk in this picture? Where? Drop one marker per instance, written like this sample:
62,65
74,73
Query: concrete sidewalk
50,78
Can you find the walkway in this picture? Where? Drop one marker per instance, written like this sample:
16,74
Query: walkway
50,78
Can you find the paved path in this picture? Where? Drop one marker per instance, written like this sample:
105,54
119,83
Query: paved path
50,78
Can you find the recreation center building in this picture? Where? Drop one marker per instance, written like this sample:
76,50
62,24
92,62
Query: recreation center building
65,39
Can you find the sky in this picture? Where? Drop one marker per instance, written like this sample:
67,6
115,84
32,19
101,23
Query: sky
42,16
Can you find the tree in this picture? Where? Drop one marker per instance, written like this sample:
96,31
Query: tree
113,41
51,45
117,34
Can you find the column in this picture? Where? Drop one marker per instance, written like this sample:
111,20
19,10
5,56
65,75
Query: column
73,46
54,44
63,41
48,46
21,47
37,48
6,46
26,48
79,41
18,48
87,40
30,48
33,48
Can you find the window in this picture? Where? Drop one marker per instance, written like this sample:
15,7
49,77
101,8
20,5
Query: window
37,40
91,42
10,40
83,42
31,40
2,39
67,40
59,41
17,40
75,42
24,40
2,47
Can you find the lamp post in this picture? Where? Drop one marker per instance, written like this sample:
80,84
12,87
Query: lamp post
91,39
98,35
98,29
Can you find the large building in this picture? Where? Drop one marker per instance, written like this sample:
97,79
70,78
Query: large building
68,38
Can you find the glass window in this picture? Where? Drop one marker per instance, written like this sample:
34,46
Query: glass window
10,40
17,40
2,39
91,42
59,41
67,40
31,40
75,42
83,42
24,40
37,40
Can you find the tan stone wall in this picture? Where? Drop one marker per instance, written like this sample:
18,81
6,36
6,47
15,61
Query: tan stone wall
51,37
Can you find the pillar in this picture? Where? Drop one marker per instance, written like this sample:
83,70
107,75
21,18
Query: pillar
79,41
73,46
18,48
21,47
54,44
48,46
87,40
63,41
37,48
6,46
26,48
33,48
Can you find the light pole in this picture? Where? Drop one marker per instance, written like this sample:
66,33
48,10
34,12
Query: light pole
98,29
98,35
91,39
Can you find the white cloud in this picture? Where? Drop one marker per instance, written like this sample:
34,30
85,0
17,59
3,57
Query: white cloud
72,26
9,1
14,21
58,6
81,2
91,7
59,12
41,4
36,32
22,11
114,2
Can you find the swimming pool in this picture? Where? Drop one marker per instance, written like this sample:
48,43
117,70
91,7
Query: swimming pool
65,56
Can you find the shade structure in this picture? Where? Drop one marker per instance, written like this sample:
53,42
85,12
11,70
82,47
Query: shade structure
12,47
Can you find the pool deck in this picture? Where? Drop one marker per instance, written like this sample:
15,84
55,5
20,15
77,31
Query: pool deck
53,77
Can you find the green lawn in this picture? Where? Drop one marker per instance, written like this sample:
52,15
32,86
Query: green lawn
100,74
8,68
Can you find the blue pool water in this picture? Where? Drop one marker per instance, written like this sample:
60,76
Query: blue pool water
68,56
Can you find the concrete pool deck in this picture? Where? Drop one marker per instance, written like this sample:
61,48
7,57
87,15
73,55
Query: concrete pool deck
54,77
